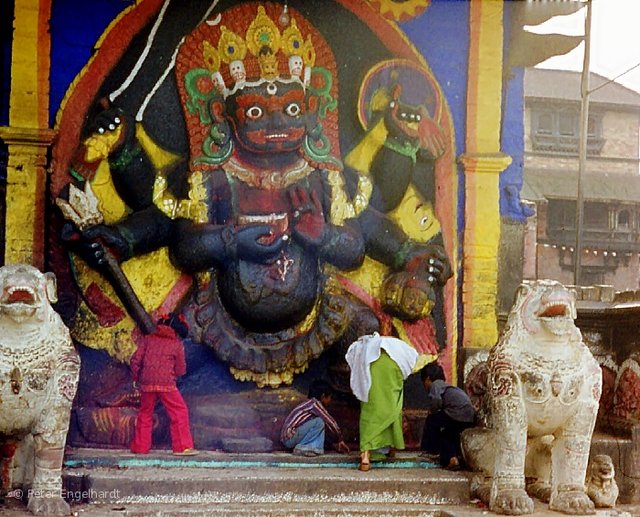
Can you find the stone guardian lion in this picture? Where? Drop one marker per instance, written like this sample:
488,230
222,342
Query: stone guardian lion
542,393
39,370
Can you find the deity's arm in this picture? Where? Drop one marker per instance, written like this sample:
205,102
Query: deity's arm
201,246
133,175
145,230
424,175
343,245
340,244
139,233
113,136
387,243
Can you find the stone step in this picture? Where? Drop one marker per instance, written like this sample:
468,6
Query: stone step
276,510
17,509
118,477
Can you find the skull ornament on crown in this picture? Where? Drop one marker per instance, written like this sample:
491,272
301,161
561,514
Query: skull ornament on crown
262,42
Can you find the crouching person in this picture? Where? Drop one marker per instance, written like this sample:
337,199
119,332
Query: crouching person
450,413
304,428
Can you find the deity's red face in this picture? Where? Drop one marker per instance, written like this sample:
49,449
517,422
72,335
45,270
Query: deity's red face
270,118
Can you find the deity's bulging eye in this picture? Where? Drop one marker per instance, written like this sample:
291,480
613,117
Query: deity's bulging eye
254,112
293,109
272,89
392,104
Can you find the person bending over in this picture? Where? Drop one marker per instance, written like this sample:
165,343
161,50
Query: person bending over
379,366
450,413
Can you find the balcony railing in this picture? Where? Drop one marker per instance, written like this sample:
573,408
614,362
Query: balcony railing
565,144
598,238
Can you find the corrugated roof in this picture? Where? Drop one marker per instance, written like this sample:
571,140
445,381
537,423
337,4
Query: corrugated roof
565,85
562,184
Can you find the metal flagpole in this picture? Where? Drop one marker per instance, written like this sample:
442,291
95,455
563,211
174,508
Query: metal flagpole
582,148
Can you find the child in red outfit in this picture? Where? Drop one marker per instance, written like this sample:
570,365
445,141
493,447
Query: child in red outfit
155,367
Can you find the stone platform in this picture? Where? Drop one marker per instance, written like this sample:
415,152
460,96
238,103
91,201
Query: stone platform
118,477
116,482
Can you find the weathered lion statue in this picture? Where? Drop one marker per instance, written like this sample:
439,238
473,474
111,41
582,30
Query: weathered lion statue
542,393
601,482
39,371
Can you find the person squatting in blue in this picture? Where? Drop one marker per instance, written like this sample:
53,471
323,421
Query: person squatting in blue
304,429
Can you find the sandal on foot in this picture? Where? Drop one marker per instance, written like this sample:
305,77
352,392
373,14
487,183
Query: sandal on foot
454,464
364,466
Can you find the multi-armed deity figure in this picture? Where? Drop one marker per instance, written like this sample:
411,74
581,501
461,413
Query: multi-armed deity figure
263,212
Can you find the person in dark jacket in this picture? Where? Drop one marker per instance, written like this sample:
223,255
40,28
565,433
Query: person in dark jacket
155,367
450,413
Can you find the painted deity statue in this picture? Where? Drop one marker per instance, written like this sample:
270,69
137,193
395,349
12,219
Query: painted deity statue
263,215
39,370
543,389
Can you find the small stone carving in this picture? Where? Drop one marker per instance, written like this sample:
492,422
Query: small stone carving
39,371
543,388
627,389
601,484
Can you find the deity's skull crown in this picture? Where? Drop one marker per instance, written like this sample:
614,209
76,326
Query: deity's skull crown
264,54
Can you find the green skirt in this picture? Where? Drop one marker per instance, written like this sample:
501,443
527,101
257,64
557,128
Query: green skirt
381,416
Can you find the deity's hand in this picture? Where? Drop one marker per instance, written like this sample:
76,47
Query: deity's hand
308,217
93,243
409,296
257,243
430,135
431,261
110,132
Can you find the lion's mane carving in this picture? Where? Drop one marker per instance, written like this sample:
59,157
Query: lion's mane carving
39,371
542,392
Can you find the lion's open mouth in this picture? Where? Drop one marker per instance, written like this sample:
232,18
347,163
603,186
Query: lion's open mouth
605,474
556,310
556,316
19,302
19,295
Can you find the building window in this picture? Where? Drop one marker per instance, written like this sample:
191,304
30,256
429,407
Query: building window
596,216
623,221
561,217
557,129
568,123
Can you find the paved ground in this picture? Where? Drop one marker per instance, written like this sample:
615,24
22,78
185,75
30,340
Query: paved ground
287,509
